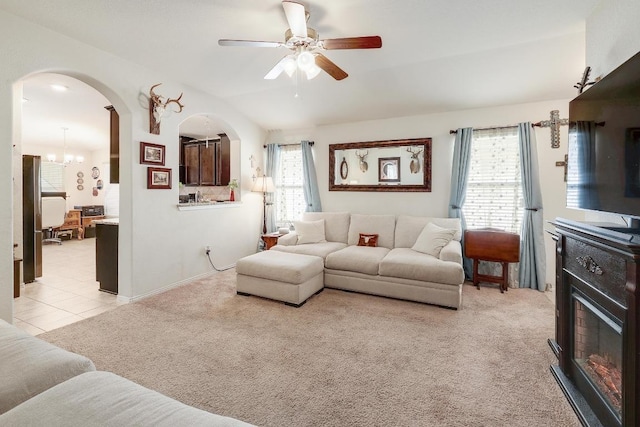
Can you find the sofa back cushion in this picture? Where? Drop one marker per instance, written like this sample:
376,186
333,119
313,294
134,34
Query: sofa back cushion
382,225
336,224
408,228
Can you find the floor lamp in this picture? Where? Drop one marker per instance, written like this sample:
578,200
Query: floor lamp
264,185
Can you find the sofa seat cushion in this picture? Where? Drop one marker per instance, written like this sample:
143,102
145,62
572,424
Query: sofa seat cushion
409,264
105,399
315,249
361,259
280,266
29,365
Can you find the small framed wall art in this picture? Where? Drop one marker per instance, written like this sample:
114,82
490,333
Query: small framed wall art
158,178
389,169
151,154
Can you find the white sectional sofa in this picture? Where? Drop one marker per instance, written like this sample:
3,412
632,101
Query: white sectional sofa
41,384
414,258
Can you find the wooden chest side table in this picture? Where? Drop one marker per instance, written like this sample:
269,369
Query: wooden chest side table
270,240
492,245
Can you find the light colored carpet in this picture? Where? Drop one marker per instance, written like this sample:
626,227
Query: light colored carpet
342,359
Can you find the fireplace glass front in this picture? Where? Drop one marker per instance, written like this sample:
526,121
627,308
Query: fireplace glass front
597,351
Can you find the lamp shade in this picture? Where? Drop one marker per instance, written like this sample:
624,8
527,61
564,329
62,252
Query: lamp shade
263,184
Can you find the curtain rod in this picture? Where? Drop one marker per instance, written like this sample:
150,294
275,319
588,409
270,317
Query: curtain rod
311,143
490,128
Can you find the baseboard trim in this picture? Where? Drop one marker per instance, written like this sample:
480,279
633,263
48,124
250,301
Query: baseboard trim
166,288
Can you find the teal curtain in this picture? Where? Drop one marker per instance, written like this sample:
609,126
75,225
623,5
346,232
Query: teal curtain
310,185
532,254
459,178
271,169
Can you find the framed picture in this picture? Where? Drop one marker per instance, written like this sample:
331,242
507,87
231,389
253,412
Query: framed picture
158,178
389,169
151,154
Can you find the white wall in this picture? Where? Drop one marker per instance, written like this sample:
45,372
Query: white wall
159,246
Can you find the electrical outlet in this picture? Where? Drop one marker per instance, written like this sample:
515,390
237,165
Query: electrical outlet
207,249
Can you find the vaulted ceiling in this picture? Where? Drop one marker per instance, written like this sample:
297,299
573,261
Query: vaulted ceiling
436,55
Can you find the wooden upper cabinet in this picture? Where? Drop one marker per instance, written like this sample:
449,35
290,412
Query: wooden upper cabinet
224,160
206,164
191,164
114,145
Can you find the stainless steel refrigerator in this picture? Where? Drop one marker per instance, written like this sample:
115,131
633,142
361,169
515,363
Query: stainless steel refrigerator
31,218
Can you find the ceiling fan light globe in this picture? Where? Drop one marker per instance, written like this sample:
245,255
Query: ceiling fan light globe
289,66
305,61
313,72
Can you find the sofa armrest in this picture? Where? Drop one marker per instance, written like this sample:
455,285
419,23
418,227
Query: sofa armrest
289,239
452,252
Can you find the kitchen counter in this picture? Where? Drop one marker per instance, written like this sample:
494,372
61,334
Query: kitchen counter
207,205
107,221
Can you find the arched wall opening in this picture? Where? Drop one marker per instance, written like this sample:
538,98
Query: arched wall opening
93,156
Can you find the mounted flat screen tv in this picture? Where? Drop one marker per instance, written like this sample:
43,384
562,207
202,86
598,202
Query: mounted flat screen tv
604,144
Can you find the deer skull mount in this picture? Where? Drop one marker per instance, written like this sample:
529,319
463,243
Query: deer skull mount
158,107
363,164
414,166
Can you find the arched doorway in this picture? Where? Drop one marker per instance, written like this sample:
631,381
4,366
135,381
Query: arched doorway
65,126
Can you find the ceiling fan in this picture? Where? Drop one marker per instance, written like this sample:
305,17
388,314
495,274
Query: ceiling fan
306,46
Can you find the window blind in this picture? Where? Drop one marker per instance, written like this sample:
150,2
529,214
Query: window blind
289,195
52,177
494,190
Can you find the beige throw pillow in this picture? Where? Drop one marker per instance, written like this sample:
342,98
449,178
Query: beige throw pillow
310,231
432,239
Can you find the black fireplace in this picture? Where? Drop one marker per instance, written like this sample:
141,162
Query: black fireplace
597,323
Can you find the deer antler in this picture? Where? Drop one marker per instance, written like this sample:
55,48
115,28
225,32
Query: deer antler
157,108
177,101
414,154
157,99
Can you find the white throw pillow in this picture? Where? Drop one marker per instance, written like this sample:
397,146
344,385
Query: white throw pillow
310,231
432,239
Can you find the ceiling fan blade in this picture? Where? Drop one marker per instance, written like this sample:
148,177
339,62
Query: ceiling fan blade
296,17
274,72
332,69
367,42
248,43
277,69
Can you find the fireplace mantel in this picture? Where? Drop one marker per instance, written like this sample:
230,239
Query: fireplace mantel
597,333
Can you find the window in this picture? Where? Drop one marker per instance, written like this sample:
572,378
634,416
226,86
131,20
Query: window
494,189
289,200
52,177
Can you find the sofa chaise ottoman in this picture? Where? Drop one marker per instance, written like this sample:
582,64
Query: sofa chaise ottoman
41,384
290,278
29,366
106,399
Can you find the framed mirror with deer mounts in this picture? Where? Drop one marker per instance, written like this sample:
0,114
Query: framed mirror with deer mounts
410,160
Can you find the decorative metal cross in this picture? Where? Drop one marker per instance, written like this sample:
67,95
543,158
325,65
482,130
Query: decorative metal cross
554,124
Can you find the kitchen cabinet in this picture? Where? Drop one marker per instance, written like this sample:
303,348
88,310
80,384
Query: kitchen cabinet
205,163
107,256
114,145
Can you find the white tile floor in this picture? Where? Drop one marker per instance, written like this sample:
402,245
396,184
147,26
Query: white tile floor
67,291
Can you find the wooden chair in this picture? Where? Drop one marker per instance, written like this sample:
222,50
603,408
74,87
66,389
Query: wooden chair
493,245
